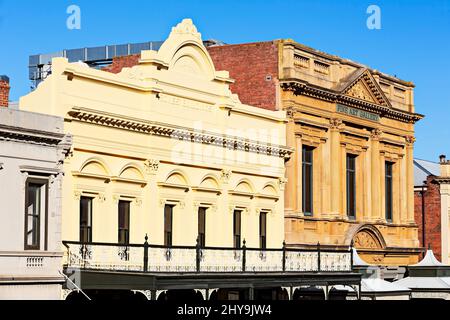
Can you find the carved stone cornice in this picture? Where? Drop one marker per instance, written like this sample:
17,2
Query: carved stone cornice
177,132
25,135
442,180
307,89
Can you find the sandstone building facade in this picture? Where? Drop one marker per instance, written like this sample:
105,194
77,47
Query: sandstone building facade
351,178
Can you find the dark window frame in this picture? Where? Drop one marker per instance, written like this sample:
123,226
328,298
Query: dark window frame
43,183
201,228
263,230
88,227
351,185
388,190
124,230
237,216
168,234
307,166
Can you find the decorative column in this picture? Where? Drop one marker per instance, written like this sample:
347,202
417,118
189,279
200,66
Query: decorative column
375,175
325,179
335,166
445,205
368,214
290,191
403,196
298,181
343,181
410,178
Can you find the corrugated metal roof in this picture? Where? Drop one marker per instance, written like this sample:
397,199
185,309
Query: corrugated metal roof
424,168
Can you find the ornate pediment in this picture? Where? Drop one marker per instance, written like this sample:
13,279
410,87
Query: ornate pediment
363,86
360,91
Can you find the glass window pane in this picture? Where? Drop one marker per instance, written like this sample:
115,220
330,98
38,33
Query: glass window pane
124,221
388,190
351,186
85,219
237,228
262,229
201,225
33,215
168,216
307,180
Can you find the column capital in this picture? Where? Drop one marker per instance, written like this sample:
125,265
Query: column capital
375,134
336,124
410,140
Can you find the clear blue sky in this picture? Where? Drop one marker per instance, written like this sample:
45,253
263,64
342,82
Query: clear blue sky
413,43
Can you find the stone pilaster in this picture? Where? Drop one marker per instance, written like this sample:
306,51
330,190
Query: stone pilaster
290,191
335,172
375,175
299,177
410,177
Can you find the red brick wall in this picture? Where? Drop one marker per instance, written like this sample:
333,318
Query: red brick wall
249,64
4,91
122,62
253,66
432,216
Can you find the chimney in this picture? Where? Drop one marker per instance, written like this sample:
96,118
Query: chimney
4,91
445,166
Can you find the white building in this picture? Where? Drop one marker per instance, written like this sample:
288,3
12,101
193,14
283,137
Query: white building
32,150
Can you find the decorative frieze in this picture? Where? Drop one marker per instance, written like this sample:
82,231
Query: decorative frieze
300,88
175,132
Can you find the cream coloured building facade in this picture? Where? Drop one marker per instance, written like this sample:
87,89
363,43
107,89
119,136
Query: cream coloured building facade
163,145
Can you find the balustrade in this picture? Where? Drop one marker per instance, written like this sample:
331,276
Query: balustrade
154,258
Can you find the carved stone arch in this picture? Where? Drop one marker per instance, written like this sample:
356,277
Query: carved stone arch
244,185
210,181
132,168
95,165
365,237
270,189
193,60
177,176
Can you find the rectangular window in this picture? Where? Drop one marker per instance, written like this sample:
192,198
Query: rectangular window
351,186
307,180
262,230
124,222
86,219
202,226
35,213
388,190
237,228
168,218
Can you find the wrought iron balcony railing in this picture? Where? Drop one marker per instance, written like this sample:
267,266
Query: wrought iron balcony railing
157,258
